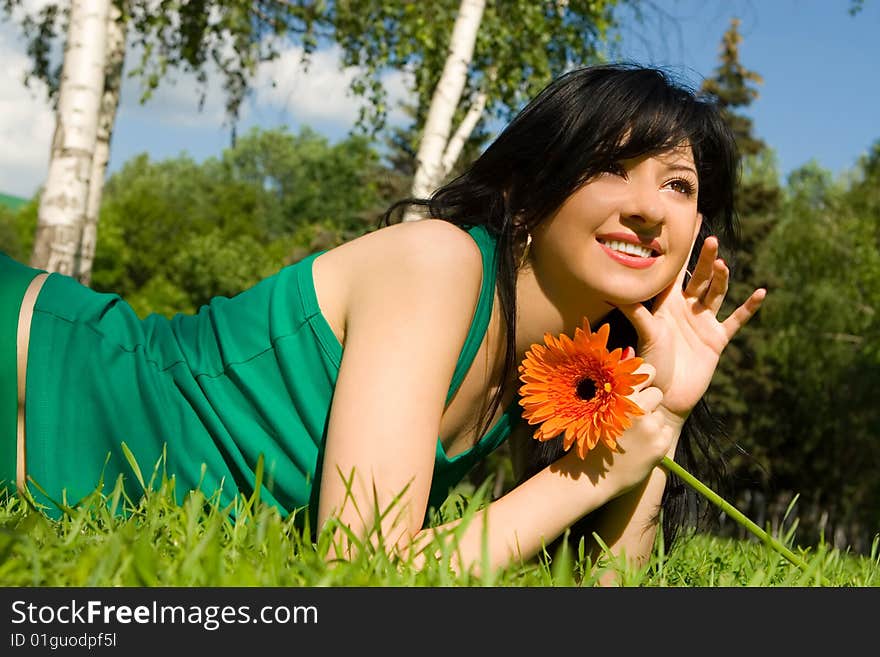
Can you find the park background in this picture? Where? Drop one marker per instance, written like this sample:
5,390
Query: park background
208,191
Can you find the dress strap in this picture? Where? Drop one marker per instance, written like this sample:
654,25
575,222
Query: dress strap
483,311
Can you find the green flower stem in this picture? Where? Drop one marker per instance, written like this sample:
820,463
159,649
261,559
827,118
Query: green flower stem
731,510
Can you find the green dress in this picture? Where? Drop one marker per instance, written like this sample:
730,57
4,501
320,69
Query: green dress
246,376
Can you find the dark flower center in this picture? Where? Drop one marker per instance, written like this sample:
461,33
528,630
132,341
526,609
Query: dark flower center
586,389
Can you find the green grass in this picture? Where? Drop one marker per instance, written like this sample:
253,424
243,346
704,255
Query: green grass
156,542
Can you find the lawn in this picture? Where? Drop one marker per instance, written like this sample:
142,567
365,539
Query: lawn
107,540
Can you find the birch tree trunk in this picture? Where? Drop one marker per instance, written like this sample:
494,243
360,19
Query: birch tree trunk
464,130
65,195
115,61
447,95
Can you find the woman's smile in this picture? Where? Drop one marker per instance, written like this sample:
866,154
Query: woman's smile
629,250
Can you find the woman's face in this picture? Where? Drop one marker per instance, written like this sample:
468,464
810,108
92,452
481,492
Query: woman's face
624,235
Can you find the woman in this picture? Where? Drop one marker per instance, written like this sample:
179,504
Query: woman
373,376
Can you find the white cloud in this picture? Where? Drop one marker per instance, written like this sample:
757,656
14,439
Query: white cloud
26,123
321,92
318,94
175,101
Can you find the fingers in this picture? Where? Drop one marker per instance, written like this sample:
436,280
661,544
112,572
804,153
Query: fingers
744,313
648,398
711,277
702,274
641,394
718,287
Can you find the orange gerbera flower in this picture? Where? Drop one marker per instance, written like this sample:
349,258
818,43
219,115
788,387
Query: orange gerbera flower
578,387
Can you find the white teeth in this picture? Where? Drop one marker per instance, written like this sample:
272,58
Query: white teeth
629,249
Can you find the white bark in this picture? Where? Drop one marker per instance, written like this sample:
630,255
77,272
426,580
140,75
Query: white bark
115,60
63,201
447,95
464,130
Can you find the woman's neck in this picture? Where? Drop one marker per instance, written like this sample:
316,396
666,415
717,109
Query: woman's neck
541,311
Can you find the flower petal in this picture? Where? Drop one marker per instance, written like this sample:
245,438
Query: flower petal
550,375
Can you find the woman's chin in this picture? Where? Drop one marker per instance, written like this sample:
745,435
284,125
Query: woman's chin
627,298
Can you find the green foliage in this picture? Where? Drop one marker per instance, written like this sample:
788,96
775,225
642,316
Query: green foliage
304,180
864,197
520,46
742,384
797,387
17,228
229,36
855,6
822,340
10,242
11,202
515,55
176,233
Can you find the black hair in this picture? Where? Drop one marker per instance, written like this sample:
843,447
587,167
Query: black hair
582,123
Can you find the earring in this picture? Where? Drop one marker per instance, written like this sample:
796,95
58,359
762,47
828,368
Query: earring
525,254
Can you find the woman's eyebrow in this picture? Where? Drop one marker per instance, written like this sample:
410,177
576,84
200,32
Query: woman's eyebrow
681,167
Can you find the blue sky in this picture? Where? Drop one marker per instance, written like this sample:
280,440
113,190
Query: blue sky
821,68
820,98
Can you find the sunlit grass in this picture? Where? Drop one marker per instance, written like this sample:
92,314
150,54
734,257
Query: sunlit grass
108,540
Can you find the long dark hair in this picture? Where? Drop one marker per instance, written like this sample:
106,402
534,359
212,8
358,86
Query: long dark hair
577,127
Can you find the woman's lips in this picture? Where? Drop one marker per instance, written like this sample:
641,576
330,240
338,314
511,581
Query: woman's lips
636,262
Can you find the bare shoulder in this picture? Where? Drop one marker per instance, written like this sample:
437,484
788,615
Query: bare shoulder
443,239
425,256
403,262
424,243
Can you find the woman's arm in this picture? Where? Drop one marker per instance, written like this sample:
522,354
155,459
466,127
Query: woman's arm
409,300
402,338
683,339
628,524
519,524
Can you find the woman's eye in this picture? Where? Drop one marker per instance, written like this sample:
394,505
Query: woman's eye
682,186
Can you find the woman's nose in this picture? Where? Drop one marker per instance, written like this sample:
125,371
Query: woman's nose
644,203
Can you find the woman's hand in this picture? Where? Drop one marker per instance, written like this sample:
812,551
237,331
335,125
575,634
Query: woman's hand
682,337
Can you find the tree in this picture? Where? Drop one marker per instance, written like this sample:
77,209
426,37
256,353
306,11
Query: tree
460,76
521,45
223,224
114,62
437,150
185,35
743,384
821,339
733,86
65,196
796,385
